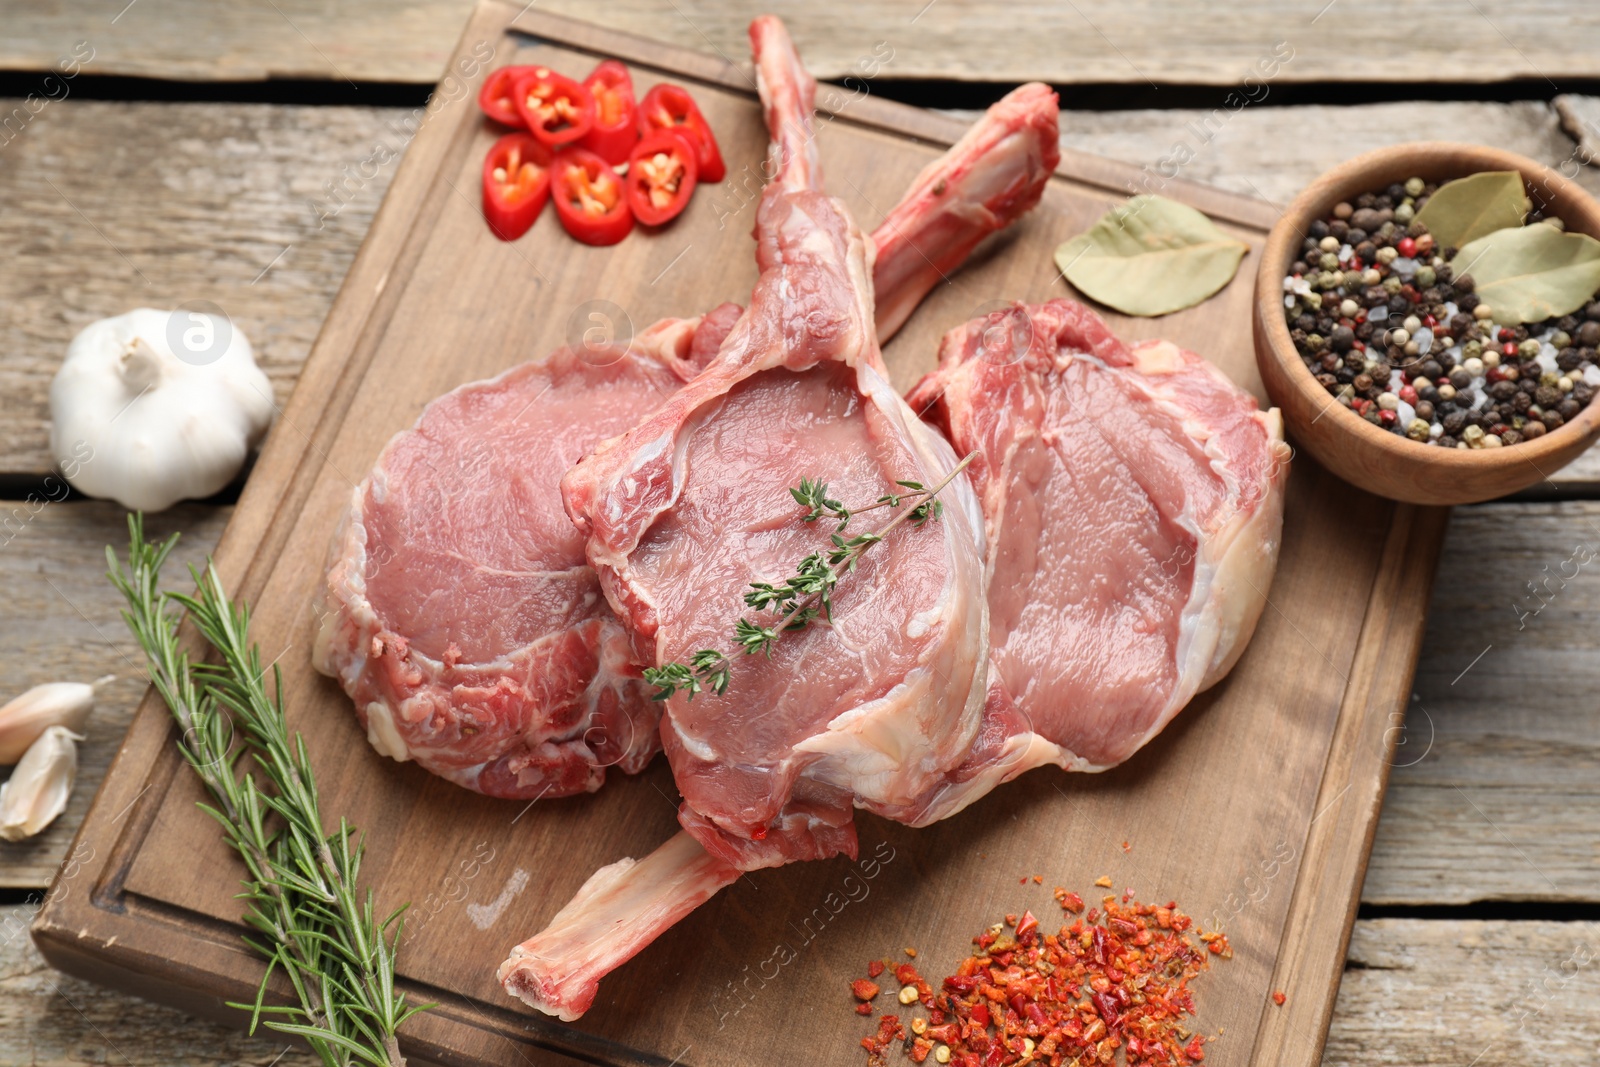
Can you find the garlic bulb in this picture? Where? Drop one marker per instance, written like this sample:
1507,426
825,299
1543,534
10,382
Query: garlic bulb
39,787
156,407
52,704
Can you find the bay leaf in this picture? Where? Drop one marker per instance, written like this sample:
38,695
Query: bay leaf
1151,256
1475,206
1530,273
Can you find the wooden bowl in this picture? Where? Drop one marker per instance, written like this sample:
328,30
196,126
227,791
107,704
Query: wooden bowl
1357,451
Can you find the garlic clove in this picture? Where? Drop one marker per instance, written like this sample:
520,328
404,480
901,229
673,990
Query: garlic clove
24,719
40,785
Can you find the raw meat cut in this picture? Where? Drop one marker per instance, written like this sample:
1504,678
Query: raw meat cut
994,174
458,612
687,509
1133,502
461,615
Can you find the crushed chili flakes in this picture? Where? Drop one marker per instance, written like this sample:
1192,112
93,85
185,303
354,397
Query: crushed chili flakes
1126,847
1117,979
911,952
1069,901
875,968
1278,997
1104,881
889,1031
864,989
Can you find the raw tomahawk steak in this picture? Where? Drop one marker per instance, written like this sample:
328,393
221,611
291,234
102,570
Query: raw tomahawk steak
1133,500
686,510
459,611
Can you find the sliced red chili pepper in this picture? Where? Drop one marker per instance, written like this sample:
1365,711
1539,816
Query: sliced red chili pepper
556,109
616,115
661,177
589,197
516,183
497,98
669,106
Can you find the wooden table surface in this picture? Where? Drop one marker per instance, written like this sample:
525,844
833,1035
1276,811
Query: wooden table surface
167,170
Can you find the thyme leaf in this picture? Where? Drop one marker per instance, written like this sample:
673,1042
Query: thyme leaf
808,594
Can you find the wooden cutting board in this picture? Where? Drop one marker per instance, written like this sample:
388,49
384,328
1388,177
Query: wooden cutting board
1255,809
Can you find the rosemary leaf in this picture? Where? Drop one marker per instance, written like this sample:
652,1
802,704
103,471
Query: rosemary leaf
301,891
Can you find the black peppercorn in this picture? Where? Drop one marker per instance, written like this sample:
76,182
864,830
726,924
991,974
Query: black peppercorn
1454,423
1547,396
1503,390
1568,408
1589,334
1319,229
1328,382
1533,428
1399,305
1511,437
1568,359
1431,369
1466,301
1582,392
1460,378
1424,411
1521,403
1340,338
1553,420
1592,312
1363,383
1446,441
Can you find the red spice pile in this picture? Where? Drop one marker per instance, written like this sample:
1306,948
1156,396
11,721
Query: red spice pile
1116,978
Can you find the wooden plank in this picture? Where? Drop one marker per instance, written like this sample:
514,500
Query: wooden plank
178,203
1450,993
164,924
254,183
1580,118
1340,835
1092,41
49,1019
1495,790
1431,993
62,624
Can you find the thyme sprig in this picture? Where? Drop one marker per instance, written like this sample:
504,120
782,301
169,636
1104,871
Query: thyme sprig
806,596
302,891
812,493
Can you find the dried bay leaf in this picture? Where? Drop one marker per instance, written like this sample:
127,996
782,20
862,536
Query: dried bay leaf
1475,206
1151,256
1530,273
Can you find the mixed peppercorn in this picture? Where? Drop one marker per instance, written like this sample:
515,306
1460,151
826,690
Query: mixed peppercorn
1395,335
1114,978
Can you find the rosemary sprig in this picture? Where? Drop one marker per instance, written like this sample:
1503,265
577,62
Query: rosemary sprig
302,890
809,594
